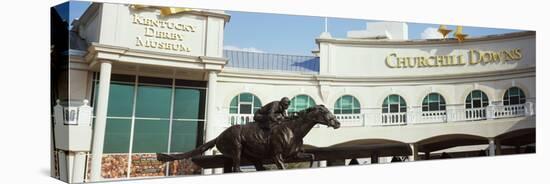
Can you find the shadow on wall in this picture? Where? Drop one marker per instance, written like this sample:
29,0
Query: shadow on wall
309,65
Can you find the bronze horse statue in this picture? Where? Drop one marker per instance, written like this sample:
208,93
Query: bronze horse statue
250,142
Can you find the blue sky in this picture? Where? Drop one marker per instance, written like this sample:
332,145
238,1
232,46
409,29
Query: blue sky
289,34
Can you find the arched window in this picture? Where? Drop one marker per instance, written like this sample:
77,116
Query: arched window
244,103
514,96
300,102
433,102
394,104
347,104
476,99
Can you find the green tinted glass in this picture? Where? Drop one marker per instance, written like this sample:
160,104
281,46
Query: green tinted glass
121,98
434,97
150,136
402,101
425,101
188,102
394,99
514,91
257,103
300,100
338,104
117,136
346,105
153,102
233,105
184,136
347,101
245,97
311,103
233,102
476,94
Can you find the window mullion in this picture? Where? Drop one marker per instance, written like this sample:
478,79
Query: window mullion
132,125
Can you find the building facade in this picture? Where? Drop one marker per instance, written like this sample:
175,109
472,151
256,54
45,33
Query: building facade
159,80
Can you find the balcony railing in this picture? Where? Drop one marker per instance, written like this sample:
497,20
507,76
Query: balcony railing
240,119
375,117
350,119
399,118
431,117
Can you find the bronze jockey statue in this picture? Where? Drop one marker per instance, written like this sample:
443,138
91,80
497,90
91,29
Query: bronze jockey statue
272,112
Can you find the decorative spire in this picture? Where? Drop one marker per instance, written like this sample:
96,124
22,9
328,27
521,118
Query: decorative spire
326,24
325,34
459,35
443,30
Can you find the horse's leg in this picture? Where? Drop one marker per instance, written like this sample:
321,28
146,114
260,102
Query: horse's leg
278,159
259,166
309,156
237,158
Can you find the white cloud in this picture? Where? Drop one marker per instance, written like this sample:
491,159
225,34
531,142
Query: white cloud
247,49
431,33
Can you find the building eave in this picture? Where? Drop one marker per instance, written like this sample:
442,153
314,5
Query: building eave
507,36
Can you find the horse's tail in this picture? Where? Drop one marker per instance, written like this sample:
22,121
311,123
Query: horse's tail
170,157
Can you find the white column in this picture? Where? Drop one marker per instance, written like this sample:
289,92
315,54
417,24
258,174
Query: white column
492,147
79,163
210,112
323,163
100,119
414,151
52,155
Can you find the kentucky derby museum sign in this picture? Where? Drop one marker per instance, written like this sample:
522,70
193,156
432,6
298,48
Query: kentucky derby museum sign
157,29
175,33
161,34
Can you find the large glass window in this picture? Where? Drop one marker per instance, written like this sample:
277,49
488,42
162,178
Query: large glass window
150,136
184,135
514,96
117,136
433,102
300,102
394,104
245,103
347,104
119,114
476,99
150,116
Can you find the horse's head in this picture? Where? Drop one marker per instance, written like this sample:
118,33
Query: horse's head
320,114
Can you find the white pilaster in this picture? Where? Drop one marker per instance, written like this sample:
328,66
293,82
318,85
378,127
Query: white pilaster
492,147
414,151
210,112
323,163
100,120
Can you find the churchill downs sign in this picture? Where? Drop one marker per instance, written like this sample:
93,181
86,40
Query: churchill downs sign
471,57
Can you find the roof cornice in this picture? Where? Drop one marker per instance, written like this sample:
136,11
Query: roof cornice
508,36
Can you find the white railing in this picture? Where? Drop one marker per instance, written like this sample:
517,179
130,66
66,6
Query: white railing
350,119
506,111
240,119
431,117
393,118
475,114
375,117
